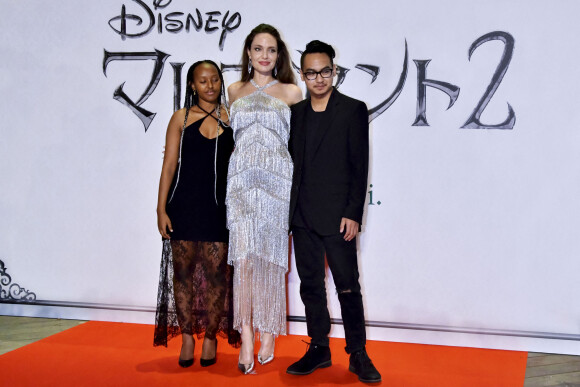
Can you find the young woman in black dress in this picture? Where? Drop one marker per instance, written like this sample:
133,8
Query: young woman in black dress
195,288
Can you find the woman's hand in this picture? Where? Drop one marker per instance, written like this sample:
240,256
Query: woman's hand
164,225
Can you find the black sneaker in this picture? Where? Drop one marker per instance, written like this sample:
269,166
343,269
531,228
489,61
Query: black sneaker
361,364
317,356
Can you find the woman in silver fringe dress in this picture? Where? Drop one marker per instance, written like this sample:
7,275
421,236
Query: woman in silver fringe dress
258,191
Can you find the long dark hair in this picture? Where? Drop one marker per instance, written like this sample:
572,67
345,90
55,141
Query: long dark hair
193,99
284,72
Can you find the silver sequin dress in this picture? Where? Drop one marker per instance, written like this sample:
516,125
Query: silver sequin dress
257,200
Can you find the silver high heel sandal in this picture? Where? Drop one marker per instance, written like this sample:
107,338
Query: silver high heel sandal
246,368
267,360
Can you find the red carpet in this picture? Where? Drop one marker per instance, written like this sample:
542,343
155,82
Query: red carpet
114,354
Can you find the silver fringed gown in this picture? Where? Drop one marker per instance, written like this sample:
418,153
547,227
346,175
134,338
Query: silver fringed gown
257,200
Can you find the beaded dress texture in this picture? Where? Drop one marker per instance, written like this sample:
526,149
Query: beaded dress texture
257,201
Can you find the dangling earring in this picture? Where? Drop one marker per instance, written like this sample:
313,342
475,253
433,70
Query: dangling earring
274,71
194,92
250,66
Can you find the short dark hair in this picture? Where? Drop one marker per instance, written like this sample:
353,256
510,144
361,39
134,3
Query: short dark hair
315,47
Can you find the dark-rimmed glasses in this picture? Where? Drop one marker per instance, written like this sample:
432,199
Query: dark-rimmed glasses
324,73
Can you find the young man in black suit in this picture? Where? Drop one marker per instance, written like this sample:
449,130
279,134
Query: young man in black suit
329,143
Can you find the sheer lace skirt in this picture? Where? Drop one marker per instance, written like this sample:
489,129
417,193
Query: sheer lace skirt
195,292
260,296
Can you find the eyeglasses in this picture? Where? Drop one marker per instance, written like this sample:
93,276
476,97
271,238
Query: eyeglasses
324,73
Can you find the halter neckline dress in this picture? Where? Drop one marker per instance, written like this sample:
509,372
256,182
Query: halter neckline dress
257,200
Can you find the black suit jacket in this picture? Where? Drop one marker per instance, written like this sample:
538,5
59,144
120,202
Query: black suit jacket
337,170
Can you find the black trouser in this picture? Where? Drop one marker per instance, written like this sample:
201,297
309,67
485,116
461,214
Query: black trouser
341,255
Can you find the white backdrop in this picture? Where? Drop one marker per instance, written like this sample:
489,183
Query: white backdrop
475,240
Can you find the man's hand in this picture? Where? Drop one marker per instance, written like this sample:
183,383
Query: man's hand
351,227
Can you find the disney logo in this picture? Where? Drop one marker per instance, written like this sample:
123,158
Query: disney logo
144,19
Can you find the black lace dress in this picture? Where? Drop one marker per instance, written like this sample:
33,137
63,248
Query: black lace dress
195,282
